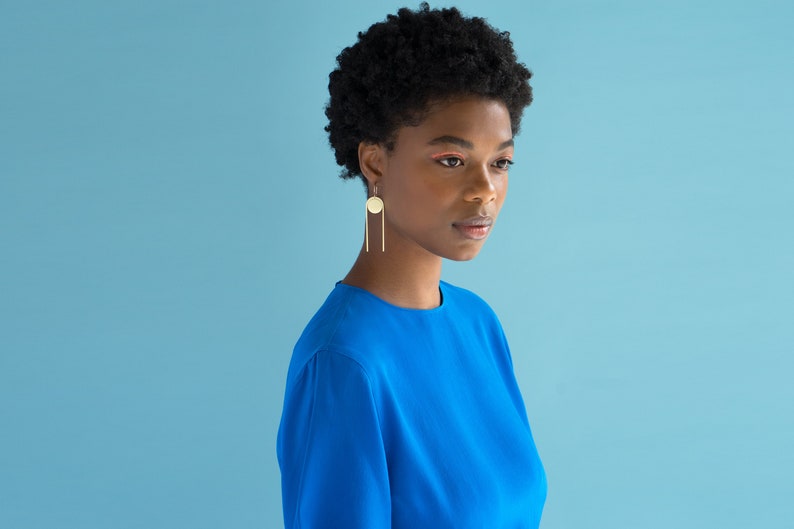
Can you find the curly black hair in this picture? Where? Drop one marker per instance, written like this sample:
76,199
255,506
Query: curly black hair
401,66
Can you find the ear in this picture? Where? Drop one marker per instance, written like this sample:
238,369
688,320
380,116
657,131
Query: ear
372,160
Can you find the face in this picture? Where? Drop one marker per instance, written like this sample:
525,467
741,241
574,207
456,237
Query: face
445,180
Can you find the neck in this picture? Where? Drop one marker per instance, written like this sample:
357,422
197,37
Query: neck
406,277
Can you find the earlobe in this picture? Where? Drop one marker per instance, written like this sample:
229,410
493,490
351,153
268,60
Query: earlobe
371,160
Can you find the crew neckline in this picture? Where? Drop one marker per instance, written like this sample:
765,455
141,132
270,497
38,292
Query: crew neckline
442,288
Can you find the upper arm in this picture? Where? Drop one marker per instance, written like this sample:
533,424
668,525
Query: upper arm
331,453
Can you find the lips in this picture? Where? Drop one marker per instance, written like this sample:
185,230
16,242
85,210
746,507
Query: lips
475,228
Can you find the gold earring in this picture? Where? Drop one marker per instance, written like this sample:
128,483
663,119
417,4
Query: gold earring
375,205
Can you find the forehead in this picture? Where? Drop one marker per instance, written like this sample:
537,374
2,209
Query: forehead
483,122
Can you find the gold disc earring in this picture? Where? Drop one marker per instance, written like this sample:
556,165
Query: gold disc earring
375,205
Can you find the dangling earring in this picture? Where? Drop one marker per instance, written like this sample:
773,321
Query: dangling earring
374,205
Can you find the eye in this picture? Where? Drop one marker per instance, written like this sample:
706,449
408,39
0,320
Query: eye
503,164
450,161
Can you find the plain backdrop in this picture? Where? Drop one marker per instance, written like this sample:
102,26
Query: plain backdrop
171,217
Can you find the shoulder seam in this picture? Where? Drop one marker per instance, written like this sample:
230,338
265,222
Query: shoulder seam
341,311
363,371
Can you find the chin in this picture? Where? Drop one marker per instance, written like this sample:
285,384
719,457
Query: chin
464,255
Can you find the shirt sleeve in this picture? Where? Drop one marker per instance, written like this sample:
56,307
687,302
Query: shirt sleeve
330,448
508,374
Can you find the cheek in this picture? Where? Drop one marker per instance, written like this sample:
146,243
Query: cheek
415,205
411,189
501,192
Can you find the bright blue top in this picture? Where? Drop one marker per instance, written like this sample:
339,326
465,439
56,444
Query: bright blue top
405,418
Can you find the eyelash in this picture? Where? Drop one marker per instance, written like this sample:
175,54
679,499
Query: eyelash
507,161
445,159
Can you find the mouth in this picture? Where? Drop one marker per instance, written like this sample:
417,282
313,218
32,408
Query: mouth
476,228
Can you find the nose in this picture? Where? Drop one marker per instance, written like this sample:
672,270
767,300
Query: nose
481,186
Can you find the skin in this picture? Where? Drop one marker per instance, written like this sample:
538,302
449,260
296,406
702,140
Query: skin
441,178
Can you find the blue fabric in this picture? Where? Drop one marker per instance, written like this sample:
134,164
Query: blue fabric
406,418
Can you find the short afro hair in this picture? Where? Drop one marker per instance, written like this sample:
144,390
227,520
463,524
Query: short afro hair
401,66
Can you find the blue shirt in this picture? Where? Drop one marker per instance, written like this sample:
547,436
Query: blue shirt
406,418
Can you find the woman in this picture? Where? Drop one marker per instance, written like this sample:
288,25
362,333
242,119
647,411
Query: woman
401,407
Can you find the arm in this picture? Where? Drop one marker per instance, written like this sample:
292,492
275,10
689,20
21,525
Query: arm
333,464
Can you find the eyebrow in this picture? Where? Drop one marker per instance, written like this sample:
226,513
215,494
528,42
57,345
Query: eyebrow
465,143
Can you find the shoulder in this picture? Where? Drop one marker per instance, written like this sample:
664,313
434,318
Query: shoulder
472,316
342,327
460,299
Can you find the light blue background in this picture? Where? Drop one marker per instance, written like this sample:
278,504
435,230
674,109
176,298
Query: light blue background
170,218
